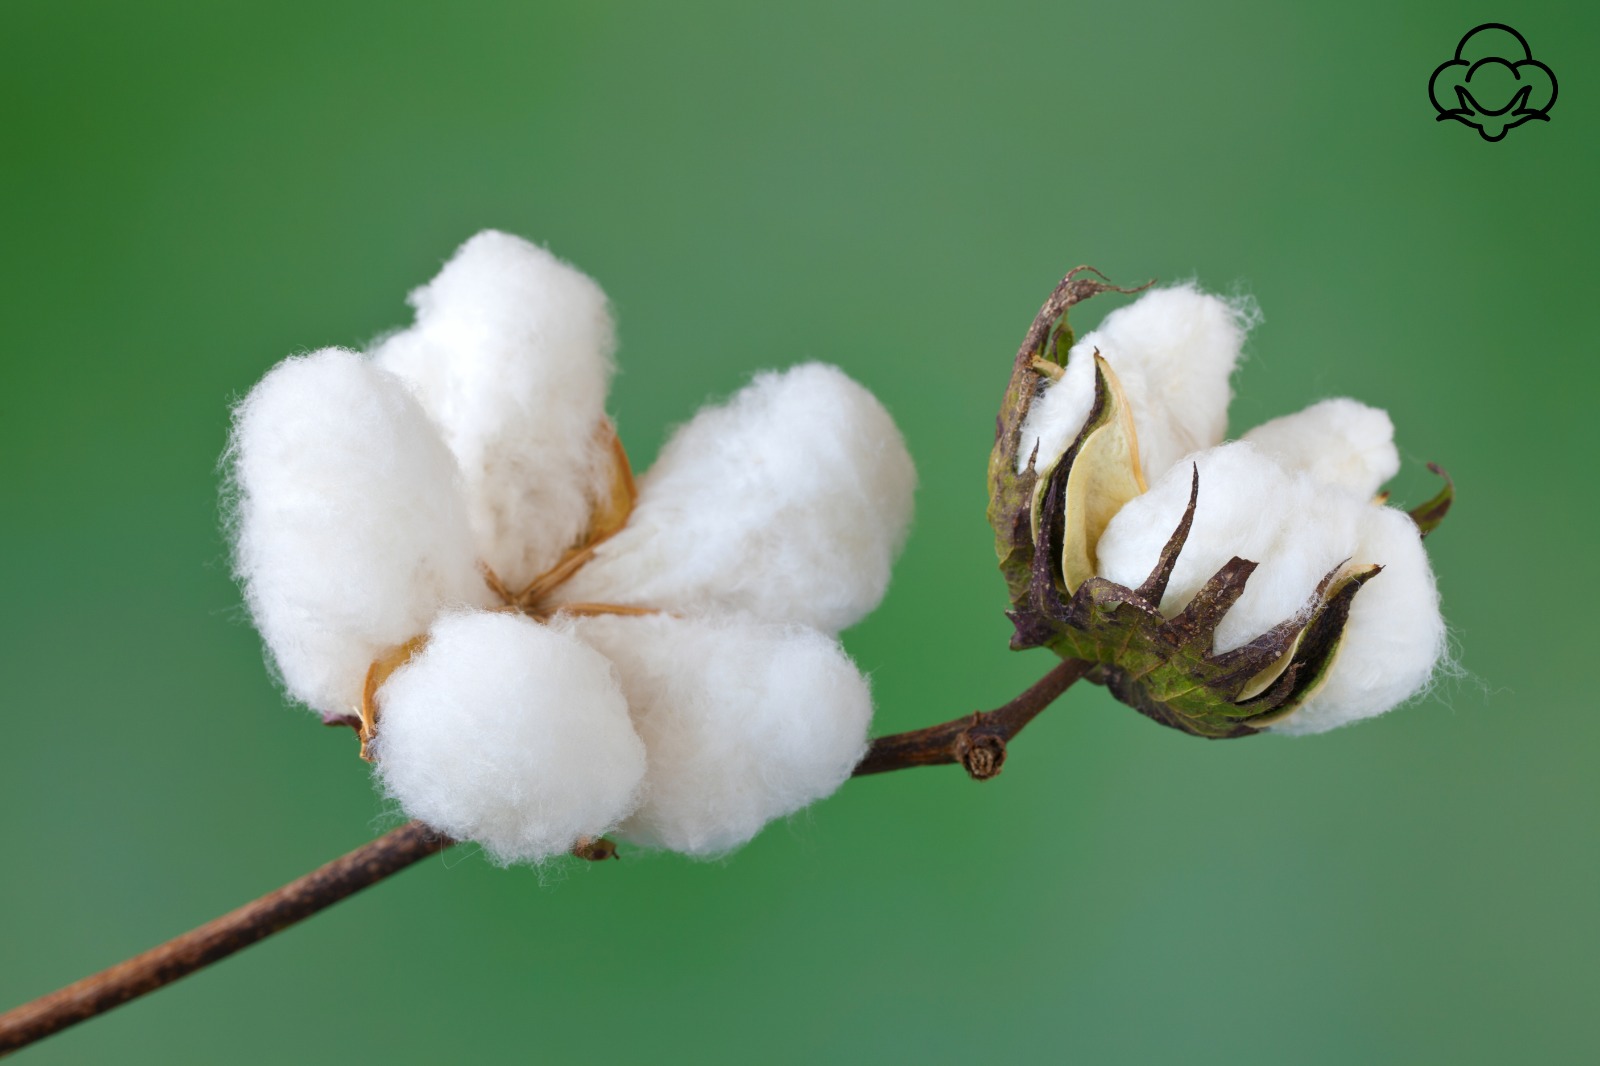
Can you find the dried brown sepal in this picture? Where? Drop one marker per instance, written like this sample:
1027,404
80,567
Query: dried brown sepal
1155,586
379,672
496,585
1165,667
533,595
1427,516
1196,624
610,514
595,849
1102,475
1288,640
1011,493
592,610
1066,521
1045,610
616,504
1316,650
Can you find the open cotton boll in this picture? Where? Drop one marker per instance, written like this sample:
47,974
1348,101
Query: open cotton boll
511,356
1172,351
744,722
1394,636
790,501
1298,529
350,532
1249,506
511,734
1338,442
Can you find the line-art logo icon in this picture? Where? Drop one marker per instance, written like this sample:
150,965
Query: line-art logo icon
1493,84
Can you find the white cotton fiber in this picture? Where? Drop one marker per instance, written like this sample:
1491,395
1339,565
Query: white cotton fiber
511,356
1173,351
790,501
1338,442
1395,635
511,734
1297,529
350,529
744,722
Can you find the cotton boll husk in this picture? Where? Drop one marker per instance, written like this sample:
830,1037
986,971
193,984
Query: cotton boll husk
789,502
744,722
511,357
1298,529
511,734
1338,442
350,532
1295,528
1173,351
1395,635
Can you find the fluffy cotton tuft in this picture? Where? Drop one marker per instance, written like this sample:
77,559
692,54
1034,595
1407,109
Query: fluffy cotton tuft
370,489
1297,529
511,357
1251,507
790,501
1338,442
511,734
1173,351
744,722
1395,635
350,533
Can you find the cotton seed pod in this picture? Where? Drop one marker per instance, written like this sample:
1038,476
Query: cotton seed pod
1199,665
1166,667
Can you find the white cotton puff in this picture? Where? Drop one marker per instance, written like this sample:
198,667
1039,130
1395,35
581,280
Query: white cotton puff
1338,442
1249,506
511,357
1173,351
349,528
511,734
1298,529
1395,635
744,722
790,502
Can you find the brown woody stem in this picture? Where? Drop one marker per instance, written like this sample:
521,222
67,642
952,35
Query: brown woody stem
220,937
976,741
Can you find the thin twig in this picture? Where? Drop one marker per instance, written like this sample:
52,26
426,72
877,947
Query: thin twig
219,938
976,741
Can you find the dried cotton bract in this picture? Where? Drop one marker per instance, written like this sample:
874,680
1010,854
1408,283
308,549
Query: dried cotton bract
441,541
1220,588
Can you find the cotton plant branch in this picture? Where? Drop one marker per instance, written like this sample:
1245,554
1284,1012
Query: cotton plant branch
220,937
1293,599
976,741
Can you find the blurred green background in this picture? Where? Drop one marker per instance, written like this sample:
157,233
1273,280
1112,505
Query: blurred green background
190,192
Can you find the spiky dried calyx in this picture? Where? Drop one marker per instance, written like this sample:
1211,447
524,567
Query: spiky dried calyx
1164,667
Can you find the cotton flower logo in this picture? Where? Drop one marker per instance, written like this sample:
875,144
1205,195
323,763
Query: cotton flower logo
1487,92
1219,588
443,538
